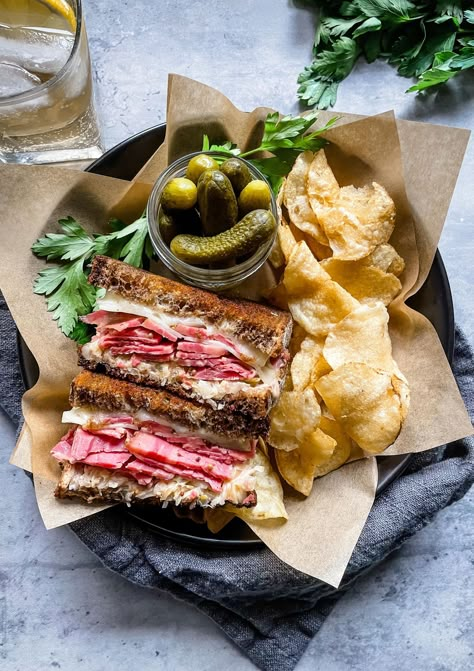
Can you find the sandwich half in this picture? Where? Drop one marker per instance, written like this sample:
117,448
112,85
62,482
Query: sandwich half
139,445
230,354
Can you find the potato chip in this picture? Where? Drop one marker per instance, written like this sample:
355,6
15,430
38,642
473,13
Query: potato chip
287,240
364,282
400,384
320,368
304,361
297,336
217,518
315,301
296,414
387,259
342,450
361,337
298,467
269,495
359,221
297,201
278,296
320,251
323,188
365,403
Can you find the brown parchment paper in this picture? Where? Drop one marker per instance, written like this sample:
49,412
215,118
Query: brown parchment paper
322,529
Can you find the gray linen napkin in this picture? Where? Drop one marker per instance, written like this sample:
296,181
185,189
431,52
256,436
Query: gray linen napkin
268,609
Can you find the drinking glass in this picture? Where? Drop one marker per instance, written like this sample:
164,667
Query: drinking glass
47,109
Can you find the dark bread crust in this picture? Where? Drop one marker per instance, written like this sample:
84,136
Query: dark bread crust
66,489
94,389
266,328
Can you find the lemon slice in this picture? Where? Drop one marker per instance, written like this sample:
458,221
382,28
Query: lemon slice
62,8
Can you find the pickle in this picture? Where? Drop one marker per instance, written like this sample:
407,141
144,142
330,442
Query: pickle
179,194
175,222
237,172
244,238
217,202
255,196
198,164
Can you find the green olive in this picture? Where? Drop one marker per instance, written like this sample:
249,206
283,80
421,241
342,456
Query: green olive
255,196
198,164
179,194
237,172
243,238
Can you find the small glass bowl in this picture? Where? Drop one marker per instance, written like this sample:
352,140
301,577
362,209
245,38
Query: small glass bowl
212,279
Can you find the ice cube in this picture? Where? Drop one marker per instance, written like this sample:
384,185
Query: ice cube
14,79
42,51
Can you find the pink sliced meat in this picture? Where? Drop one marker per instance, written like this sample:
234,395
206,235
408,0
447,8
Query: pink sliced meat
150,447
86,442
102,318
138,467
164,331
191,331
209,349
111,432
110,460
62,451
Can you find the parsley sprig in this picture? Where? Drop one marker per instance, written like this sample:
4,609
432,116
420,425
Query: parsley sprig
284,137
68,293
430,40
64,284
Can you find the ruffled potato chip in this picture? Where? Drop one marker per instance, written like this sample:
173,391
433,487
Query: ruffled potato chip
298,467
315,301
359,221
304,361
296,199
364,282
386,258
287,240
366,404
323,188
342,450
269,495
361,337
295,416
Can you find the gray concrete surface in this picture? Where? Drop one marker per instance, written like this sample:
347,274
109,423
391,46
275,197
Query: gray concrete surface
59,608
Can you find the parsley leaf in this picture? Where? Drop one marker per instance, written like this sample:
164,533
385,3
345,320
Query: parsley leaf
68,293
285,137
65,286
407,34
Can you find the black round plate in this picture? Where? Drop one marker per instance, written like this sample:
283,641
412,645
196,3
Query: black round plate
434,300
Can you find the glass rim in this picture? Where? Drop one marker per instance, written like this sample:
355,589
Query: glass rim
205,275
38,90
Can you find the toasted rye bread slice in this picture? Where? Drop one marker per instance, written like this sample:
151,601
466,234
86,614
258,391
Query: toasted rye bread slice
266,328
106,393
94,484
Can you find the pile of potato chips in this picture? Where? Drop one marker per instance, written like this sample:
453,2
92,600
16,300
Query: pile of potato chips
345,396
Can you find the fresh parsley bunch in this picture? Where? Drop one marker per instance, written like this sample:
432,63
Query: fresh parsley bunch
69,295
433,41
285,138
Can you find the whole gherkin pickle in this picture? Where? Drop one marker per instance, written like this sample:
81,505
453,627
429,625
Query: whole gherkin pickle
217,202
244,238
168,227
237,172
175,222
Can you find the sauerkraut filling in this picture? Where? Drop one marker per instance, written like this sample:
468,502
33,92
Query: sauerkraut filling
153,454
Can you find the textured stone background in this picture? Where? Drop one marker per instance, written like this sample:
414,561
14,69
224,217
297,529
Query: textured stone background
59,608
